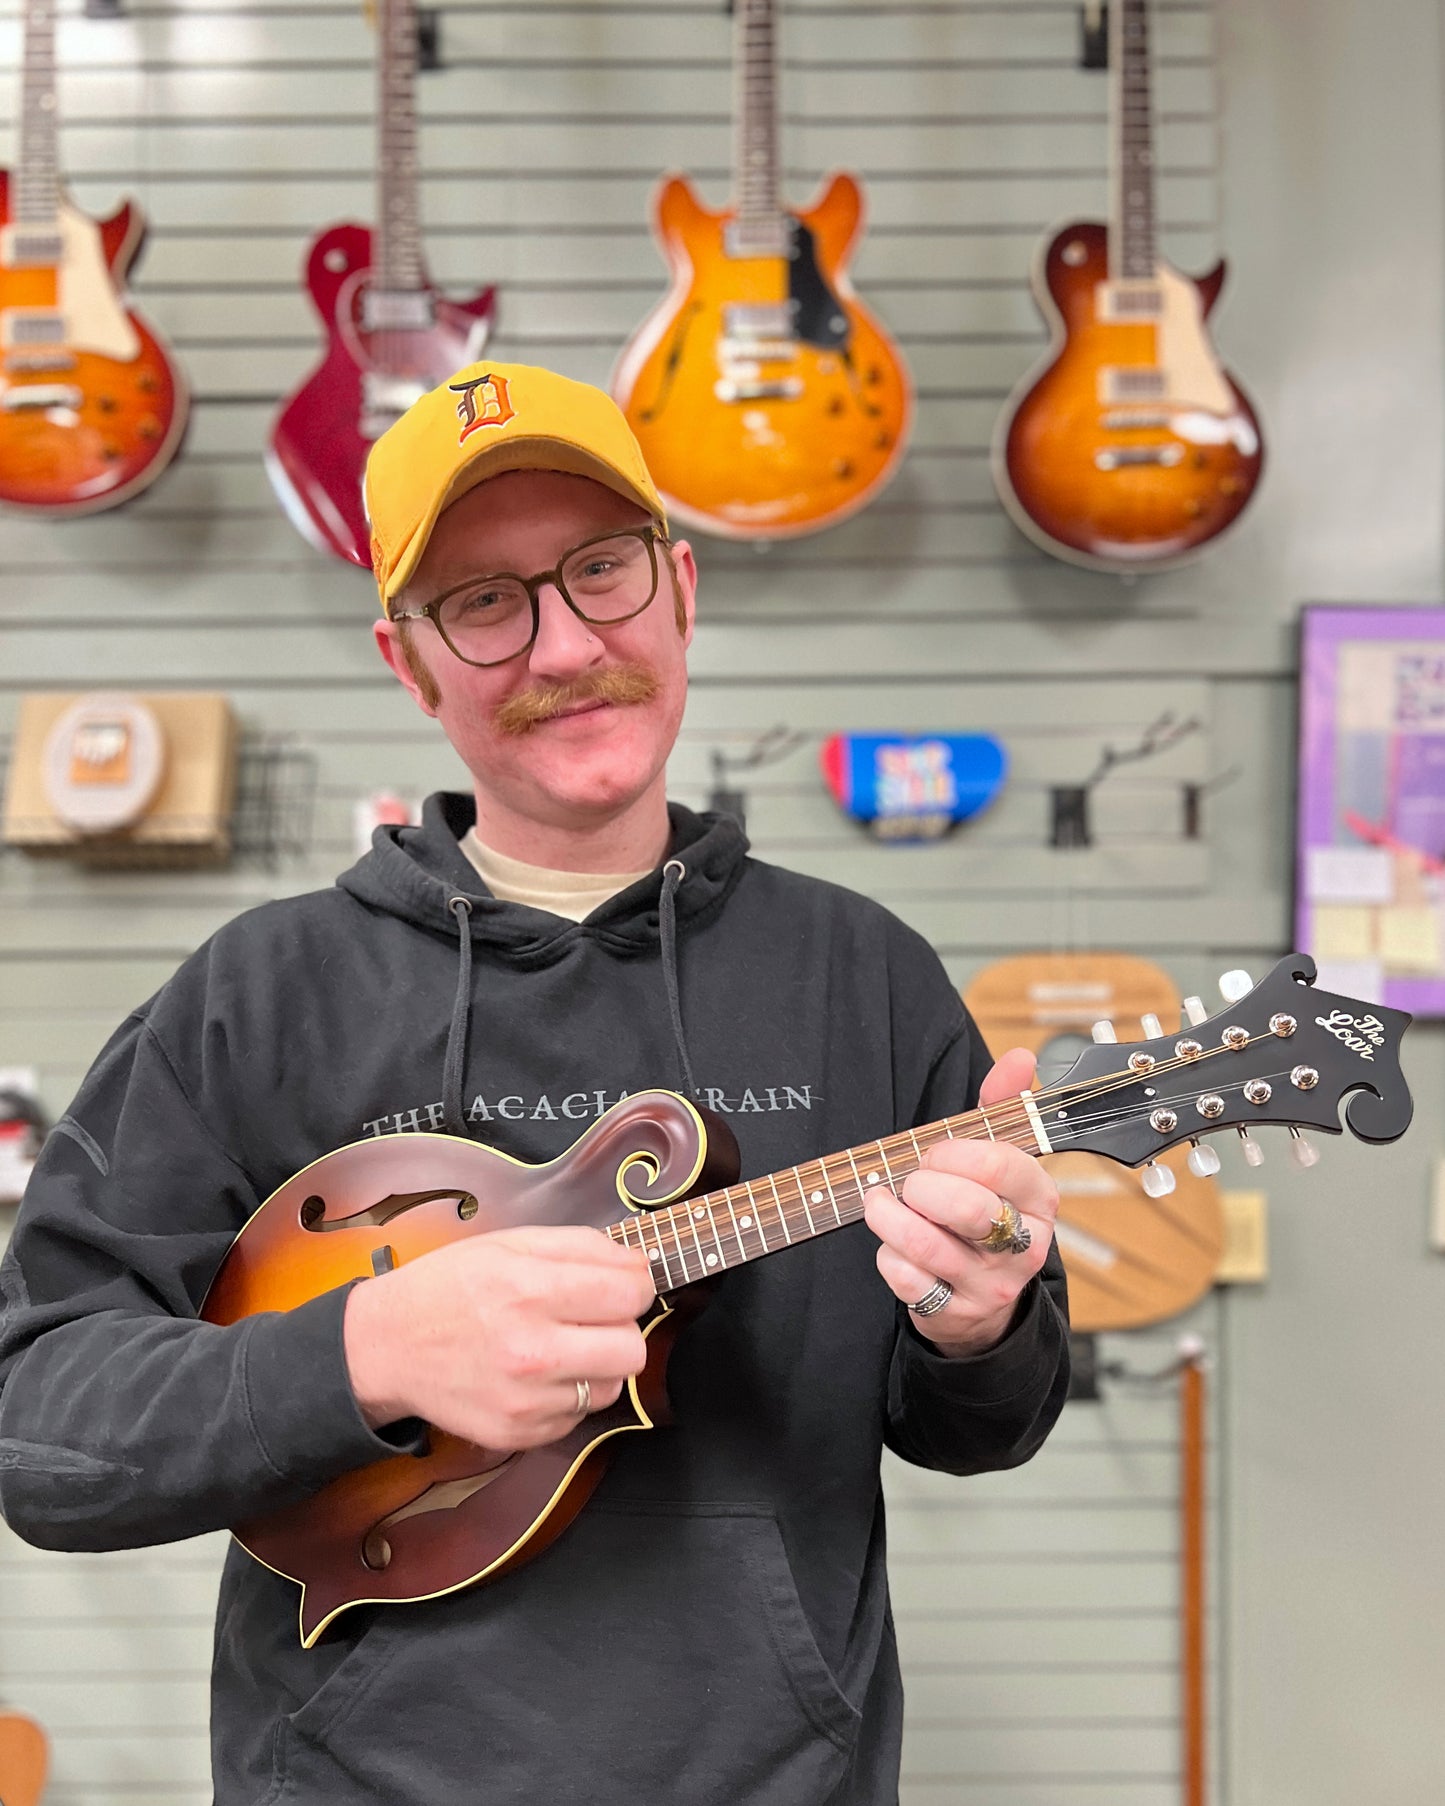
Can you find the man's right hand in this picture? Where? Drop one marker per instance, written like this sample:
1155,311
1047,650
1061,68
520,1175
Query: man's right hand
488,1337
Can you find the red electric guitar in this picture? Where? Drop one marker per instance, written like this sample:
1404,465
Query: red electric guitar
392,335
91,407
1131,447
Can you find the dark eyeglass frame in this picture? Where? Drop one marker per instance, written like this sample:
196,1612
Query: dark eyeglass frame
652,535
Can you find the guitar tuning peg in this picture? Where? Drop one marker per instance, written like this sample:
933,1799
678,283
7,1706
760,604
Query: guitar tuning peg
1252,1151
1153,1028
1202,1160
1157,1180
1104,1031
1195,1012
1234,985
1302,1153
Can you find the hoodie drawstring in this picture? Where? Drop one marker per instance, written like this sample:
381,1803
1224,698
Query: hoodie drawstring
673,874
454,1066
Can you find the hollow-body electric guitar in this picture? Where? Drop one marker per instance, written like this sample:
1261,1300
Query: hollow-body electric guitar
767,400
92,407
657,1174
391,334
1130,447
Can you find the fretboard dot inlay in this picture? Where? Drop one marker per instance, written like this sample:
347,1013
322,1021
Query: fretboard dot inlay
712,1260
815,1197
745,1222
654,1254
872,1178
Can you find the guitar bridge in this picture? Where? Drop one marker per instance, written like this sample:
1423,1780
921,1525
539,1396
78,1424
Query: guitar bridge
19,398
786,388
1124,457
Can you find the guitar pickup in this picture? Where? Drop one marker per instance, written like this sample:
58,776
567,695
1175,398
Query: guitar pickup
755,322
757,351
18,398
20,327
788,388
22,249
1132,382
1115,301
397,310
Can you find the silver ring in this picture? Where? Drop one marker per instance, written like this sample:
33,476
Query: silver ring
1009,1233
933,1300
584,1397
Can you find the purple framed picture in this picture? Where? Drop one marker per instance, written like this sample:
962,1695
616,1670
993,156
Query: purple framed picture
1370,848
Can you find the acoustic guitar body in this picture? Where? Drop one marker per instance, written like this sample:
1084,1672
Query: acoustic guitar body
367,376
767,399
413,1527
92,408
24,1759
1129,447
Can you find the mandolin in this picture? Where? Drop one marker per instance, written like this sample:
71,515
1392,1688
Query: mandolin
391,334
1129,447
409,1528
24,1759
767,400
92,408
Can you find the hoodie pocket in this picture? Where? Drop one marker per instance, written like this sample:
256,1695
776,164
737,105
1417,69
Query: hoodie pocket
651,1653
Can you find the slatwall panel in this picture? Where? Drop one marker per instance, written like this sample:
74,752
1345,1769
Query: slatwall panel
1036,1610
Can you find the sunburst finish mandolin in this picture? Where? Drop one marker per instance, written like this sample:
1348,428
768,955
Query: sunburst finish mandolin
1130,447
767,400
659,1175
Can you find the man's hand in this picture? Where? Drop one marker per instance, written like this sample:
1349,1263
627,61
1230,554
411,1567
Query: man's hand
487,1338
948,1207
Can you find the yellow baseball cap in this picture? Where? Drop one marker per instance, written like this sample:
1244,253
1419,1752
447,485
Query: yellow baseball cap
486,419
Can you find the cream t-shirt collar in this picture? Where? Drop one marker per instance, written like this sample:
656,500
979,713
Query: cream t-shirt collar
572,895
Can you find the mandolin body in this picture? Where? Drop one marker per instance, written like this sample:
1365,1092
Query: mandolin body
411,1527
1129,447
768,401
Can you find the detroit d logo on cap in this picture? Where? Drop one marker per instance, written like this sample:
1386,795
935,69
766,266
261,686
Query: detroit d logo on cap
494,408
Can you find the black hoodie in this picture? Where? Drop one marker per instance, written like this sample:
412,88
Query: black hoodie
714,1627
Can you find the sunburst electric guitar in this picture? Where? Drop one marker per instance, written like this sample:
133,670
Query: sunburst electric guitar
391,335
1130,447
767,400
659,1175
92,408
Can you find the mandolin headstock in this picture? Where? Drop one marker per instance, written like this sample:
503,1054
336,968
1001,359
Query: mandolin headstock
1283,1054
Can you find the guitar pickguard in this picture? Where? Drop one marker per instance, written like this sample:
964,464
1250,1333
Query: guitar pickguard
818,318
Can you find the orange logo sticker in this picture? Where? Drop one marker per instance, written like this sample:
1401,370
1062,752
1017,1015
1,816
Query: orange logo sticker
484,402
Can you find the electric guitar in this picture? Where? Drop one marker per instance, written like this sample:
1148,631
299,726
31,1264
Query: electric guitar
1130,446
24,1758
391,334
92,408
767,400
410,1528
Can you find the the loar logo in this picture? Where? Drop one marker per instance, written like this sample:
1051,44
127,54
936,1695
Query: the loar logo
484,402
1362,1034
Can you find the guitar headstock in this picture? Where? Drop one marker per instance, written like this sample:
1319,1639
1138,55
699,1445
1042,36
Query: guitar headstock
1282,1054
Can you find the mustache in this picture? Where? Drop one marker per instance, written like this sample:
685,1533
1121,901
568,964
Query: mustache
619,684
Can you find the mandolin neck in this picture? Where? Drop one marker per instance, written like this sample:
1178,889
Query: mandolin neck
698,1237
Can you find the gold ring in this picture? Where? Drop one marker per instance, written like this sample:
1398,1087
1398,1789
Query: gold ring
584,1397
1009,1234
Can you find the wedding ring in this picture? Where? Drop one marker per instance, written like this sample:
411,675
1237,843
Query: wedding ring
933,1300
584,1397
1009,1234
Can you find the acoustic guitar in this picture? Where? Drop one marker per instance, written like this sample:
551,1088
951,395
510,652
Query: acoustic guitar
391,333
1129,447
410,1528
767,400
92,407
24,1759
1131,1258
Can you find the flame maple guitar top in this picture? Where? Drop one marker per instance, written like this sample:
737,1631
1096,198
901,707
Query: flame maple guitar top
767,400
1130,447
90,419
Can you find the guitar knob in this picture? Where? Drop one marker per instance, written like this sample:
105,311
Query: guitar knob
1195,1012
1157,1180
1250,1148
1202,1160
1234,985
1153,1028
1303,1154
1104,1031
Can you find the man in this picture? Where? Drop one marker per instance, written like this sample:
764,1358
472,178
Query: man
714,1626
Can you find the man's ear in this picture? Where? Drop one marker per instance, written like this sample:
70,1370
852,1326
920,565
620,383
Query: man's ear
403,662
685,565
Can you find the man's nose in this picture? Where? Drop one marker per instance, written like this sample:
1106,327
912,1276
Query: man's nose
565,644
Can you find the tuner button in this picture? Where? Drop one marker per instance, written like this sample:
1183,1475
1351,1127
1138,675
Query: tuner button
1153,1028
1234,985
1202,1160
1195,1012
1104,1031
1302,1153
1157,1180
1252,1151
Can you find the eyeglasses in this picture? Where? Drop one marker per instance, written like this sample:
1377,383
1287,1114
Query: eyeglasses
489,620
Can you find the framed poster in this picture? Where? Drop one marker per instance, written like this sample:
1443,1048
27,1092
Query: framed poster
1370,848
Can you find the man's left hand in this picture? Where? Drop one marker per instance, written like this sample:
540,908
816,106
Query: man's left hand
948,1206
